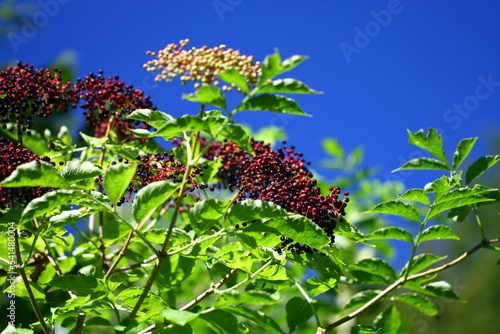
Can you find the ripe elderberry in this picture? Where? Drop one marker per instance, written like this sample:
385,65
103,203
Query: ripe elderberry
279,176
31,92
158,167
107,98
11,157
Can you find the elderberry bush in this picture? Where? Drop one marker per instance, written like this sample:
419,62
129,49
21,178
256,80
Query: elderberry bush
150,223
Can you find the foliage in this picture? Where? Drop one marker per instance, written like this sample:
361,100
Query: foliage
216,232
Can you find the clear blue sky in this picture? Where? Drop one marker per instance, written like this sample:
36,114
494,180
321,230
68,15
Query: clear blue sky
384,66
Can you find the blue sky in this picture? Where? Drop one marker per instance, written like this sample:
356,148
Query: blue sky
384,66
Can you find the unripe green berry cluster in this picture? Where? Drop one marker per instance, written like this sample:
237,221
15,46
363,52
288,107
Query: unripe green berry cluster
201,65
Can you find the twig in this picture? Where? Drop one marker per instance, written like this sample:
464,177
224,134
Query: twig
135,265
209,291
162,254
127,242
79,323
401,281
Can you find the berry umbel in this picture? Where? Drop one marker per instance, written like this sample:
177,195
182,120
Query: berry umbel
110,99
27,92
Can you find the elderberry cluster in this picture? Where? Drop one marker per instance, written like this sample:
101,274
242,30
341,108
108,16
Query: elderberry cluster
201,65
105,99
11,157
280,176
31,92
159,167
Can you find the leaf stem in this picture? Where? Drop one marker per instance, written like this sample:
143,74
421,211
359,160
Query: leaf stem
415,245
309,300
258,271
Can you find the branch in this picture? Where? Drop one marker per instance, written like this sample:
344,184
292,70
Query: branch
401,281
27,285
209,291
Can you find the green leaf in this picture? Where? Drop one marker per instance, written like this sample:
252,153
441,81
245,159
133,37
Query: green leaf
332,147
70,217
296,227
440,289
152,196
460,197
175,127
360,298
292,62
79,284
2,96
93,141
154,118
390,232
288,85
348,230
439,187
49,202
221,322
274,103
35,174
316,286
376,267
249,210
318,262
433,143
463,150
274,272
271,67
397,208
389,321
178,317
238,135
437,232
233,76
479,166
80,170
422,261
205,214
416,195
421,303
117,180
11,215
251,297
423,163
207,95
260,318
298,311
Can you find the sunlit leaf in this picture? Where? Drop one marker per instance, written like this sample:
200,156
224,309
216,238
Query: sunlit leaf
152,196
438,232
433,143
207,94
390,232
397,208
463,150
416,195
117,180
35,174
274,103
